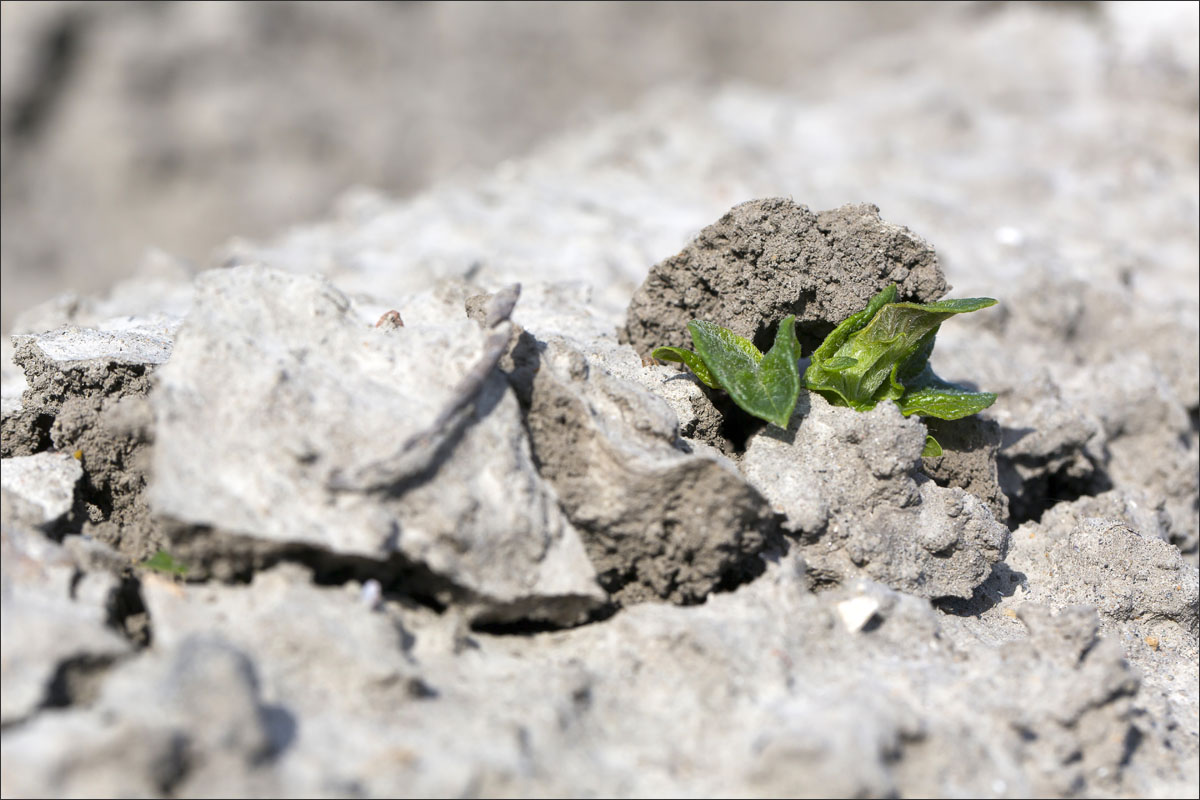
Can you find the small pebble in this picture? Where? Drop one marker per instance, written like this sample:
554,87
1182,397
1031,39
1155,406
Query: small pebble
372,594
856,612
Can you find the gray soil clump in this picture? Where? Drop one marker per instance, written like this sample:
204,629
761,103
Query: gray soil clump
968,459
658,523
851,488
767,259
493,552
1055,451
86,395
1087,406
1077,554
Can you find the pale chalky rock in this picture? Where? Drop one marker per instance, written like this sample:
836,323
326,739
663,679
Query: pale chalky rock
39,489
285,417
189,718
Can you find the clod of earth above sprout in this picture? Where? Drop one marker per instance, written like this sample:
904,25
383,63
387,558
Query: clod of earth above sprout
880,353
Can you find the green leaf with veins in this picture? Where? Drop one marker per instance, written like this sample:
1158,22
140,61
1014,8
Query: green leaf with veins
882,353
930,396
766,386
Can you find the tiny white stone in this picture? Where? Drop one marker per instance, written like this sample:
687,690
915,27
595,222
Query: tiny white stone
856,611
372,594
1010,236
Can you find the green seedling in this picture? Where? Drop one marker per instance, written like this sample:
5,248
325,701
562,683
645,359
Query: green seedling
766,386
882,353
162,561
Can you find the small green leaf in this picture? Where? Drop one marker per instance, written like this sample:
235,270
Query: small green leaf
729,344
765,386
724,352
962,305
690,359
932,448
162,561
944,403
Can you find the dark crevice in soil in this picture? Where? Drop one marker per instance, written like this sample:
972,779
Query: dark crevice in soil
821,581
397,576
126,612
1036,496
522,627
736,425
171,770
752,566
528,627
399,579
72,522
1133,740
76,579
613,580
811,336
212,554
76,681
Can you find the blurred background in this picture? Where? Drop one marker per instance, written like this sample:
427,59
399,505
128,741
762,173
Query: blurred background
129,126
134,125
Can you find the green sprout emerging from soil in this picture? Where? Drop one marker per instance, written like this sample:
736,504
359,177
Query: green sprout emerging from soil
164,562
880,353
765,386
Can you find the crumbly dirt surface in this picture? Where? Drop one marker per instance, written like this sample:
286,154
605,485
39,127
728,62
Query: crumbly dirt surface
256,544
768,259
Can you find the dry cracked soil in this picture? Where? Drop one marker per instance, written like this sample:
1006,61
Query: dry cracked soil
484,546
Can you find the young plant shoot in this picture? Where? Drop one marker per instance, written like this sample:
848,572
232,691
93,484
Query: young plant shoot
880,353
766,386
162,561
